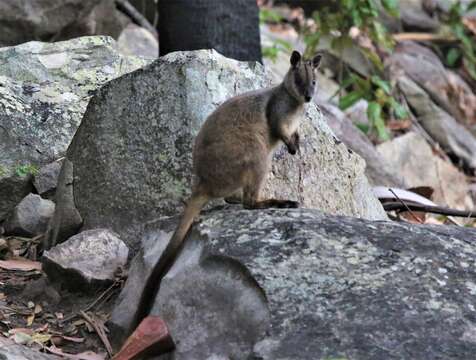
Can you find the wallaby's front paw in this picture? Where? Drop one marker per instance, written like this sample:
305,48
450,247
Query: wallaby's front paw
293,144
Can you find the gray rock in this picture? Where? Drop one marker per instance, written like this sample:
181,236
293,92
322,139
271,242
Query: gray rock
442,127
135,40
11,351
447,89
30,217
136,140
335,287
44,93
46,180
13,188
66,220
87,260
378,171
412,157
49,20
414,16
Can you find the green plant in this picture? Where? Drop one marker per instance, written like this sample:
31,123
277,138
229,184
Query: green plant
379,94
27,169
338,20
3,171
272,51
279,45
465,49
336,23
269,15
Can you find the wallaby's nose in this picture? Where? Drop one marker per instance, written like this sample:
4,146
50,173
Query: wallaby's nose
307,98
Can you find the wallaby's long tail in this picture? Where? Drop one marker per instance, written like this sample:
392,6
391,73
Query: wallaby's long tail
166,260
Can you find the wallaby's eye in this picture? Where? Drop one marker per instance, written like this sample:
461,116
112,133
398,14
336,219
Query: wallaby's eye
313,82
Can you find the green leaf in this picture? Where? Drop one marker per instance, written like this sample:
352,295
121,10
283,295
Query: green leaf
382,84
392,7
24,170
398,109
268,15
374,112
349,99
471,6
452,56
363,127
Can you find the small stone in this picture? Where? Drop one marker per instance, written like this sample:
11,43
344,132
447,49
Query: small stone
47,178
13,189
30,217
87,260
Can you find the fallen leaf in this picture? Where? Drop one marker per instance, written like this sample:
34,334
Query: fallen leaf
30,319
41,338
399,124
38,309
87,355
22,338
59,315
470,23
20,265
42,328
3,296
20,330
73,339
30,304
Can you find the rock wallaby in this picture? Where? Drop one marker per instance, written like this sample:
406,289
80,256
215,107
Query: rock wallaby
233,151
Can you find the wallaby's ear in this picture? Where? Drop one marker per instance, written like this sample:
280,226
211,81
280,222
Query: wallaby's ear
295,58
316,61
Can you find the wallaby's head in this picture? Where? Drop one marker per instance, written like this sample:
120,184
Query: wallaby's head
301,77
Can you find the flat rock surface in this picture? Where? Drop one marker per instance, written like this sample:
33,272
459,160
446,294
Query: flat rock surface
335,287
88,259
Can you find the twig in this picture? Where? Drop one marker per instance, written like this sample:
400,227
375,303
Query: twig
408,209
423,37
390,206
127,8
98,326
90,306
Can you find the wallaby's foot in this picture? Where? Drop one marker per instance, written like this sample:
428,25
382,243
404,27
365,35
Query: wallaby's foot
293,144
272,203
233,199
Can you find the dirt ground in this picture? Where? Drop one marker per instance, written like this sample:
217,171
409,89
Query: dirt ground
51,319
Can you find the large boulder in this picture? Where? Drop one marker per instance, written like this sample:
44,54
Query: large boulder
132,154
447,89
44,93
378,170
412,157
322,286
453,137
26,20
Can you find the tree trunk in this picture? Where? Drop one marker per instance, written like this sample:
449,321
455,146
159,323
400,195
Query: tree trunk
229,26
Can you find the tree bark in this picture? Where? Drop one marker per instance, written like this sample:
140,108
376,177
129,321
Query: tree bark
231,27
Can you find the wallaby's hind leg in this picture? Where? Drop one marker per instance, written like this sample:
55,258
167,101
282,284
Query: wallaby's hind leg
251,200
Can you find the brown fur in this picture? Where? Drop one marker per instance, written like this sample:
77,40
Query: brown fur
233,152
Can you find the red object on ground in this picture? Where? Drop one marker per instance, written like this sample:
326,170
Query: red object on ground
151,336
